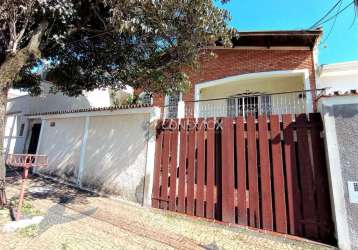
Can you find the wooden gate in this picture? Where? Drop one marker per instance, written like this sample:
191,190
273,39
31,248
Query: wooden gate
265,172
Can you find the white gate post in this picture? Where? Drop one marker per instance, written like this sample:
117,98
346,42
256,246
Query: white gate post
83,153
338,110
149,168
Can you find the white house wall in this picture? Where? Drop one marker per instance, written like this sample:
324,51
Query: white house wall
98,98
269,85
46,102
339,77
262,85
111,157
62,143
13,141
116,155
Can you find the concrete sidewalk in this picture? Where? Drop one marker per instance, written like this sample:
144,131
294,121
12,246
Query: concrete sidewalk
80,220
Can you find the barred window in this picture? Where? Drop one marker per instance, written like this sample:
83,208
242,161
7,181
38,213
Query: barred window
245,104
146,98
172,105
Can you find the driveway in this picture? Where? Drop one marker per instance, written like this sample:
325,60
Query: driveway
75,219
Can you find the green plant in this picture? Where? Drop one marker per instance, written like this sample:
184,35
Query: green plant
27,209
30,231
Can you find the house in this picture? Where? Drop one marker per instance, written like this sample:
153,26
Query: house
21,134
342,77
119,150
264,72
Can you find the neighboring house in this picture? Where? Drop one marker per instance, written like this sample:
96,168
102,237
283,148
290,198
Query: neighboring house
21,134
342,77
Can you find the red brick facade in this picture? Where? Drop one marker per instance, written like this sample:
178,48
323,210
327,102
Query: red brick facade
231,62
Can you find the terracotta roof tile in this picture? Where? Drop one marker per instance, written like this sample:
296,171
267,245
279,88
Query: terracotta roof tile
328,93
112,108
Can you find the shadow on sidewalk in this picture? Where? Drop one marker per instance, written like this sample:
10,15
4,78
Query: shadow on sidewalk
43,188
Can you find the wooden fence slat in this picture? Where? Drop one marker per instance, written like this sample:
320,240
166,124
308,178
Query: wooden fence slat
287,179
253,174
157,163
267,215
210,158
278,175
241,171
321,179
228,184
165,167
191,167
293,190
201,168
173,165
306,174
218,170
182,166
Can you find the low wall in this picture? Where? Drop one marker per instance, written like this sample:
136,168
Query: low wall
105,152
340,115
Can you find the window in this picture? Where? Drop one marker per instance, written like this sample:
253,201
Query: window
355,186
243,105
146,98
21,133
172,102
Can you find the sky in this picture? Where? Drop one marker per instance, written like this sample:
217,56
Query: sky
340,46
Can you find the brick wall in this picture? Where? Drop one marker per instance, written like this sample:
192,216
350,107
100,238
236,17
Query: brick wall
231,62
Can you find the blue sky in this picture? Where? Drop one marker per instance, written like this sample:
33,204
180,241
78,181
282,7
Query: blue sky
341,45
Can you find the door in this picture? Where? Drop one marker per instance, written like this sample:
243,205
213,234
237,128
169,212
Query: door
250,104
34,140
243,106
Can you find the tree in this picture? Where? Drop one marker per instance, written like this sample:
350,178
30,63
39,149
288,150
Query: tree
147,44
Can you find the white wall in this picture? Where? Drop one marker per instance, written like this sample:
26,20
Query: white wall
274,82
340,119
13,140
339,77
267,85
62,143
98,98
46,102
102,151
116,155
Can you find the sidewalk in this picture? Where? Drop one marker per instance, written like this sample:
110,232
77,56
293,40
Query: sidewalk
86,221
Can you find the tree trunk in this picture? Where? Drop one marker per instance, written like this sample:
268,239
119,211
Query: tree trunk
8,71
3,101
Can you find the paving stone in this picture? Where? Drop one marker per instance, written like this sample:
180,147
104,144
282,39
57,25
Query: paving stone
86,221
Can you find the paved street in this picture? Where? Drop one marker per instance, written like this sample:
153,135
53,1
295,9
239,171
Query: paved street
79,220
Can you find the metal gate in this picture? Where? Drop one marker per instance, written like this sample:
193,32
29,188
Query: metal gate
267,172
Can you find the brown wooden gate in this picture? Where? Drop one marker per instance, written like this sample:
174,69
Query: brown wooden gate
267,173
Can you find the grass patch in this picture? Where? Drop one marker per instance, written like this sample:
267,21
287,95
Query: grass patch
4,213
30,231
64,246
27,209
